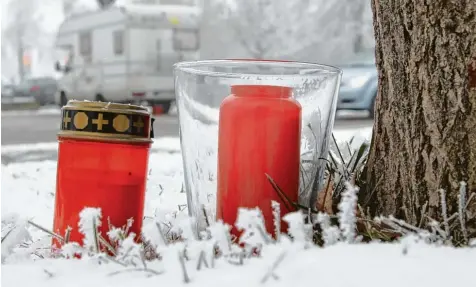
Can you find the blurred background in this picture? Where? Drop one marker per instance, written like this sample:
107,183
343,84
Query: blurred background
54,51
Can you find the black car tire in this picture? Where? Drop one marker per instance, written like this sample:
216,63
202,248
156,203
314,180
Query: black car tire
372,108
166,107
63,99
100,98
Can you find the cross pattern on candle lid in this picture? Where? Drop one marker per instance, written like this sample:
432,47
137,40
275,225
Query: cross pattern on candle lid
139,124
100,121
109,121
66,119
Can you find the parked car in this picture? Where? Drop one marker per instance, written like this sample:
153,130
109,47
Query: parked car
10,101
359,84
7,90
41,89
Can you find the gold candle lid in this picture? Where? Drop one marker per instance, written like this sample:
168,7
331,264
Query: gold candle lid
106,121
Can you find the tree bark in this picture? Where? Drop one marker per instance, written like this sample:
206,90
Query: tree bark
424,135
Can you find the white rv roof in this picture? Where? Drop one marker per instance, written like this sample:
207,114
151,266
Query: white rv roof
144,9
175,15
171,15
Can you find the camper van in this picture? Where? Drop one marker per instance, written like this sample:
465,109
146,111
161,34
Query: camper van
125,54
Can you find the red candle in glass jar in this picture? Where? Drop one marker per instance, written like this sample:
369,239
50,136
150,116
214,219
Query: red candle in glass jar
259,134
102,163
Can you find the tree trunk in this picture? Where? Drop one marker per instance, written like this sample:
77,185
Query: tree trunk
424,135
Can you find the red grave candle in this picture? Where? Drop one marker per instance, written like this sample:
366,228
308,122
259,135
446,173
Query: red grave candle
259,134
102,163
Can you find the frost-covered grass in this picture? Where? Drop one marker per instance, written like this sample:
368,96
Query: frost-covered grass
209,258
339,265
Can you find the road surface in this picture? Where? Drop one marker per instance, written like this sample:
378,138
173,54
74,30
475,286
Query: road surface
28,128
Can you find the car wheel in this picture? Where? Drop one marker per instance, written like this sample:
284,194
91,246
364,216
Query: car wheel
100,98
63,99
166,107
372,108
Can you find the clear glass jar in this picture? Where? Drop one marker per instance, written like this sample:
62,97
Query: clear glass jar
200,88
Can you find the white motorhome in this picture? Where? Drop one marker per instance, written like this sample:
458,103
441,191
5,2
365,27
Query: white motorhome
125,54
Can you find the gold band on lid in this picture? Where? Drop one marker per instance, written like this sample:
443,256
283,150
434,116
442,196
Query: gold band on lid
105,121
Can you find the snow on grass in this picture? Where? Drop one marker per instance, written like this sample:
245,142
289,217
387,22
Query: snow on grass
28,192
338,265
347,208
90,220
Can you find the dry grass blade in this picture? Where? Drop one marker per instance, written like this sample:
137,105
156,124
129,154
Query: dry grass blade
324,198
128,225
161,233
462,210
423,212
334,161
338,150
113,259
142,258
405,225
8,233
348,145
96,239
59,237
263,234
186,279
275,265
50,274
67,235
276,207
360,154
153,272
205,216
202,259
444,212
351,160
286,200
107,245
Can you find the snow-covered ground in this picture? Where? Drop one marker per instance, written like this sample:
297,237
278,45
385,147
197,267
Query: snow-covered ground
340,265
27,191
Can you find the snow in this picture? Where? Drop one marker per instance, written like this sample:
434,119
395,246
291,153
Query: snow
89,218
339,265
330,234
297,229
347,208
28,193
251,222
28,188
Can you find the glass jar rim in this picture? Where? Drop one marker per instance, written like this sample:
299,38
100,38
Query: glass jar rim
306,69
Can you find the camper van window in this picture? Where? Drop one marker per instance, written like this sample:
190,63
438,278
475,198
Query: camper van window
185,39
118,37
85,44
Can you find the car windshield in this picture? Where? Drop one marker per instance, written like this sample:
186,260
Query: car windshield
24,84
362,60
7,90
37,81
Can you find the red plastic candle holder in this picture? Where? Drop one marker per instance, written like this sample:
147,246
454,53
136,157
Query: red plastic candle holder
102,163
259,136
